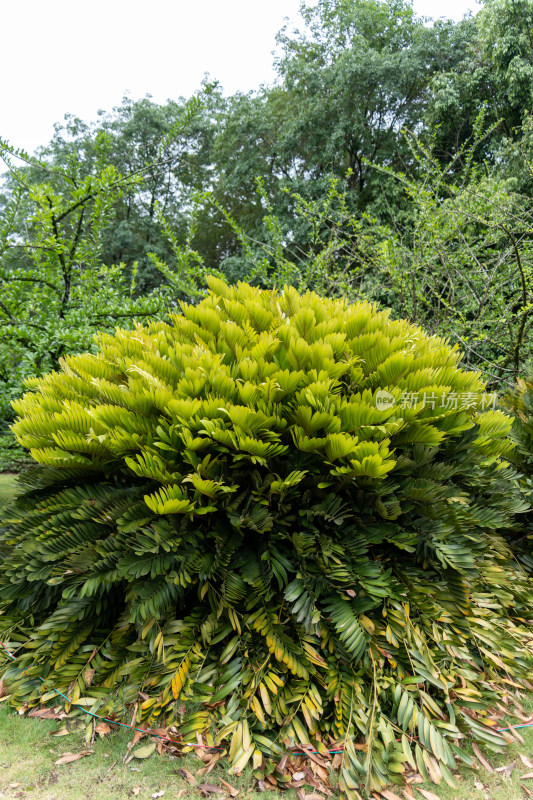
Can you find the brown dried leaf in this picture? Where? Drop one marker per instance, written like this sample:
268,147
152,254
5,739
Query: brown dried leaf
426,794
527,791
231,789
261,785
209,788
209,766
102,729
88,676
46,713
337,760
481,758
480,786
388,795
527,777
136,791
507,771
320,771
313,796
298,776
189,777
515,735
309,752
68,758
407,793
137,736
310,777
525,761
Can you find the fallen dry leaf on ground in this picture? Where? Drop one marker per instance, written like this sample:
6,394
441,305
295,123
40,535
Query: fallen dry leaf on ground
481,758
68,758
145,751
209,788
189,777
525,761
231,789
102,729
158,794
527,777
426,794
137,736
507,771
298,776
388,795
214,758
136,791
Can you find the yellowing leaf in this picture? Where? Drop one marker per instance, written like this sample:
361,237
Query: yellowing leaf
145,751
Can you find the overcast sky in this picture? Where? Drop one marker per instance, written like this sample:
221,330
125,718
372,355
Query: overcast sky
59,56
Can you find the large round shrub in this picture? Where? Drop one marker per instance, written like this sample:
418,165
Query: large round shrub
278,519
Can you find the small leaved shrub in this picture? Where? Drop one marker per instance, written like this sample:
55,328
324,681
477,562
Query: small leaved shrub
520,404
234,527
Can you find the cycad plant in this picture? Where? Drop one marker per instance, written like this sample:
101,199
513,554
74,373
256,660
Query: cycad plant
279,520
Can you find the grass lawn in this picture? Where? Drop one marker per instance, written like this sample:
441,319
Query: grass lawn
7,488
29,750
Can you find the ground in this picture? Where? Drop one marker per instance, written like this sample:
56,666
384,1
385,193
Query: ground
7,488
29,750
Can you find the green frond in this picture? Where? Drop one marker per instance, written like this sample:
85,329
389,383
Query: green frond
270,522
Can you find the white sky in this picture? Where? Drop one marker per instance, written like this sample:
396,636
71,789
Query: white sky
59,56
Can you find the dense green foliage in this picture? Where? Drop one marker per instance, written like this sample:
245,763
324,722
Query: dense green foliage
314,181
278,518
520,403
